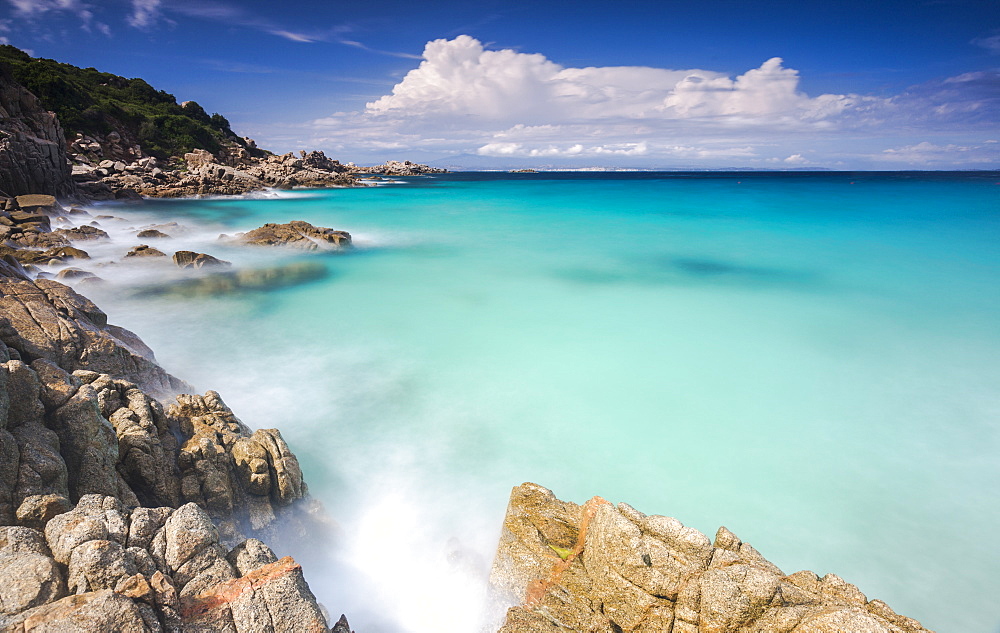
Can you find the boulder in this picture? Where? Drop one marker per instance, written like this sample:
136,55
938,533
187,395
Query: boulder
82,232
151,233
38,203
29,580
273,597
25,216
102,610
297,234
73,273
95,518
144,251
36,510
98,564
250,555
190,259
600,567
16,539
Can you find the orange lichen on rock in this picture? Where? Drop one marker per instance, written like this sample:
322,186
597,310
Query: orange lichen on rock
538,588
227,592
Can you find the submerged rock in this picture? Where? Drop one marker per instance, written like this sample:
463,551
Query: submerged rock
605,568
251,280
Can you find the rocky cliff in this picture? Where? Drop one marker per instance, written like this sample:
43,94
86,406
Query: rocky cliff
121,510
603,568
33,155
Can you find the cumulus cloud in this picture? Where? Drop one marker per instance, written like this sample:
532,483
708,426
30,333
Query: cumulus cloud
460,77
796,159
464,98
771,91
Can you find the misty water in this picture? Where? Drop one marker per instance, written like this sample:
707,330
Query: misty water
808,359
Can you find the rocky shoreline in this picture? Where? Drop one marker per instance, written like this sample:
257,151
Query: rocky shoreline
35,159
234,173
127,502
130,503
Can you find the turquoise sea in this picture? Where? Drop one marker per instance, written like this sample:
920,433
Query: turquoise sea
810,359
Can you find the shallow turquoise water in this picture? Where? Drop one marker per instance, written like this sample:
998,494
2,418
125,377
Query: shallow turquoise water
809,359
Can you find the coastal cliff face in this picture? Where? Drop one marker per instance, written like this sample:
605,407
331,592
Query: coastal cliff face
32,149
120,513
605,568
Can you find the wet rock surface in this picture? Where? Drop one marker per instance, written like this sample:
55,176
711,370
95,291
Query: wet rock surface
605,568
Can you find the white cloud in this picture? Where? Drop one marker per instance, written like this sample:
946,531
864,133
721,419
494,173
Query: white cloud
460,77
927,153
35,9
991,43
145,13
577,149
295,37
466,99
768,92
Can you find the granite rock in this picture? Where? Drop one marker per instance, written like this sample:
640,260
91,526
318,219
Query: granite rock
161,496
144,250
297,234
605,568
190,259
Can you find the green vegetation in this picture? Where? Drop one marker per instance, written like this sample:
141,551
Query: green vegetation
95,103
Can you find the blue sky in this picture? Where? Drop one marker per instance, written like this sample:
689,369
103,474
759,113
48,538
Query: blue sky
718,83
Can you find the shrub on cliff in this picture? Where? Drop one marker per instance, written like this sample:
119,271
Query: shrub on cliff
97,103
